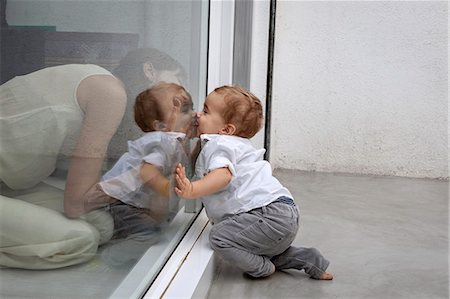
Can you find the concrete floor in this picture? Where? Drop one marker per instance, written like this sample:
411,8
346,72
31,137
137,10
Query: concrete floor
386,237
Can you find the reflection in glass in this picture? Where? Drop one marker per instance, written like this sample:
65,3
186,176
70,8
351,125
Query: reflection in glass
85,184
139,191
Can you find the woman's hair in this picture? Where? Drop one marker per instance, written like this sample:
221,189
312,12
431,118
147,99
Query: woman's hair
130,70
242,109
148,108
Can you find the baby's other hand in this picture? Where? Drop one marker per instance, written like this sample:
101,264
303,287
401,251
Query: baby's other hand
184,187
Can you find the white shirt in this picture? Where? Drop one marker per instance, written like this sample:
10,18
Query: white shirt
40,119
252,185
123,181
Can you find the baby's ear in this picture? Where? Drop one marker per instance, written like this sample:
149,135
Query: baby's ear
228,129
176,102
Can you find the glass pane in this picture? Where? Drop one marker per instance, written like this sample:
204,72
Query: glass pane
89,138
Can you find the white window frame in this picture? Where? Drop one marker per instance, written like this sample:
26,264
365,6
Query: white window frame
189,270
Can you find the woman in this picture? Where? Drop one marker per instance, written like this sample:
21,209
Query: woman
54,113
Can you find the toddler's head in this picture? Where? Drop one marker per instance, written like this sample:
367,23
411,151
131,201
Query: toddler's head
164,107
231,110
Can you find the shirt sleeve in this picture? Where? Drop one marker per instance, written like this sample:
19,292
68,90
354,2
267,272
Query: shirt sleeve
151,149
220,155
156,158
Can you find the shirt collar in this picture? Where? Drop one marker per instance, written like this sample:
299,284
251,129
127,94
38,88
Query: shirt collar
204,138
208,137
176,134
170,135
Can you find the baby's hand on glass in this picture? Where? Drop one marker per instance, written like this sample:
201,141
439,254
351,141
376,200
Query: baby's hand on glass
184,187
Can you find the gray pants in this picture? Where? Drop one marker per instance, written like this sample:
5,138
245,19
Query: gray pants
259,242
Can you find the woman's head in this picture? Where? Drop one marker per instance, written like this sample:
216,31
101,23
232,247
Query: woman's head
231,110
164,107
139,70
144,67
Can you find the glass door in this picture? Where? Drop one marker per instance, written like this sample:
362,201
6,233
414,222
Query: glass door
70,71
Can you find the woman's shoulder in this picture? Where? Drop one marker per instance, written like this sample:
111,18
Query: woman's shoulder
81,67
70,69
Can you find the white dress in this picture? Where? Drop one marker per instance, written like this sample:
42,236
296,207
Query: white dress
39,119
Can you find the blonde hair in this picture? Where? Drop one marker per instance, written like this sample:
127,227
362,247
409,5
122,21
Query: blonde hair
242,109
147,107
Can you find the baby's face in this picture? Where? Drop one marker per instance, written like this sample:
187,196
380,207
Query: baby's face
210,120
179,112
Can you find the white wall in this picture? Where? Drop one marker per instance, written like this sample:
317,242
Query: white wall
361,87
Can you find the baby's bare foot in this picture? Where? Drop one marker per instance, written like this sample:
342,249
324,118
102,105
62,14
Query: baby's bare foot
326,276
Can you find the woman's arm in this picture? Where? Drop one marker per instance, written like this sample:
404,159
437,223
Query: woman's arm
209,184
103,100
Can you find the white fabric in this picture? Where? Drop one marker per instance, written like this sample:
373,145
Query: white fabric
123,182
39,118
34,233
252,185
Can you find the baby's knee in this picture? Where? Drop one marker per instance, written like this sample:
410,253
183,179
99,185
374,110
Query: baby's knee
216,241
77,246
